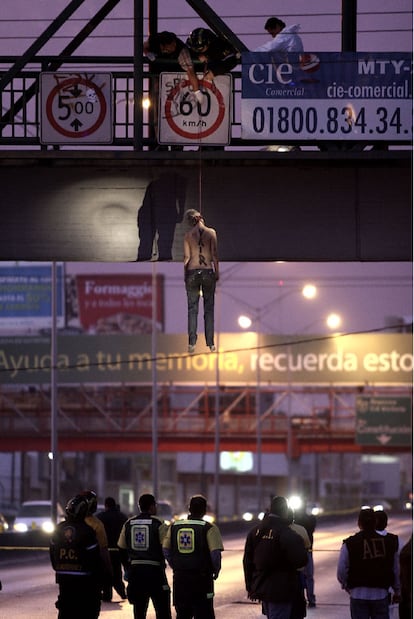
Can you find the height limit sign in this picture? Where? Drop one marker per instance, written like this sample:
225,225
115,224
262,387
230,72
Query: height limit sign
185,120
76,108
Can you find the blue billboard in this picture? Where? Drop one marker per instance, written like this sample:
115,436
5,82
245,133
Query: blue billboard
327,96
26,296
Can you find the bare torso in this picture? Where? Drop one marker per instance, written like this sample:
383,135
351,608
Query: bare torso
200,248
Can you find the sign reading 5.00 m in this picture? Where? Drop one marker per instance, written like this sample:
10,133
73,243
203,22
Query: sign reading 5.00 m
76,108
327,96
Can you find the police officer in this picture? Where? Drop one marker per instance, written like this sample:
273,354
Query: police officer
75,557
97,525
193,549
141,540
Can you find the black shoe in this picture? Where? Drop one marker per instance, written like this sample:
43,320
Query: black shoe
312,605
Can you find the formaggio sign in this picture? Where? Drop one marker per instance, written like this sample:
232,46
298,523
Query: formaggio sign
384,359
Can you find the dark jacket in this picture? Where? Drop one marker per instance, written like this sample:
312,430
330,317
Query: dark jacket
113,520
371,559
74,552
272,554
221,58
308,521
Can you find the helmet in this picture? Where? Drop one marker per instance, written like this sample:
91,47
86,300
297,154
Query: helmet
200,39
91,500
77,508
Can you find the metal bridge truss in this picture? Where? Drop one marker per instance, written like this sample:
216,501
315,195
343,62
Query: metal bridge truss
132,81
291,419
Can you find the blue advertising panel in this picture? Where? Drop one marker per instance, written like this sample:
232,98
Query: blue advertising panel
26,296
327,96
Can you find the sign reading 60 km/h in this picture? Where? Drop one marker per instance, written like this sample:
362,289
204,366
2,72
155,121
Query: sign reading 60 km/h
184,120
327,96
76,108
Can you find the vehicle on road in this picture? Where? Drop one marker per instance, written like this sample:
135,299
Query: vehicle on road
36,516
165,511
4,525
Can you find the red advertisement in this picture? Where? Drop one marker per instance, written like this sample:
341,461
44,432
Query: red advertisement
119,303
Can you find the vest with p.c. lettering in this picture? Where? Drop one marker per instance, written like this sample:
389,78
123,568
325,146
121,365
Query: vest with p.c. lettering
74,550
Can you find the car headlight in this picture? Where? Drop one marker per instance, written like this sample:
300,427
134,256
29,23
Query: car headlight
247,516
295,502
48,527
20,527
209,518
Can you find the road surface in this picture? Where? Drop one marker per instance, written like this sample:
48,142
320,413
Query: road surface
29,590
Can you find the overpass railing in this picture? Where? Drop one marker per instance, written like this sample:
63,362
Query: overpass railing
21,116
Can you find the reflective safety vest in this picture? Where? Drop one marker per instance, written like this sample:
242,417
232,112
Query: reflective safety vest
189,547
143,540
74,550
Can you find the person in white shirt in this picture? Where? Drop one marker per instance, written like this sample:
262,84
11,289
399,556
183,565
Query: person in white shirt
284,38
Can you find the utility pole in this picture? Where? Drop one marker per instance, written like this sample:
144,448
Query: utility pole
349,25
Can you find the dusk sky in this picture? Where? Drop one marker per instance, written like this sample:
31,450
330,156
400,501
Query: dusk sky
383,25
364,293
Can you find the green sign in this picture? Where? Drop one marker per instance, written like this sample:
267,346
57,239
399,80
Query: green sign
383,420
385,359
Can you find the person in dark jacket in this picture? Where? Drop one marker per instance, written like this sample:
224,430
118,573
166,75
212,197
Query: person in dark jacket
272,555
113,520
309,522
368,567
406,577
141,541
76,559
217,54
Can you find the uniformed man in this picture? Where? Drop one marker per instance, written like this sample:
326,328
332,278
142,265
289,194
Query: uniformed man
193,548
141,540
75,557
97,525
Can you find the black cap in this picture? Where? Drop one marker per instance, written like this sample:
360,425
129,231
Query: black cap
279,506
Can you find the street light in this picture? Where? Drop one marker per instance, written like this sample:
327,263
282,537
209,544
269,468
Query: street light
245,322
333,321
309,292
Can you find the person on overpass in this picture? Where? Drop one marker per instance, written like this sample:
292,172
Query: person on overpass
217,55
284,39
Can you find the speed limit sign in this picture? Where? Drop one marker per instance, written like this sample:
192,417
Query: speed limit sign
76,108
184,120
